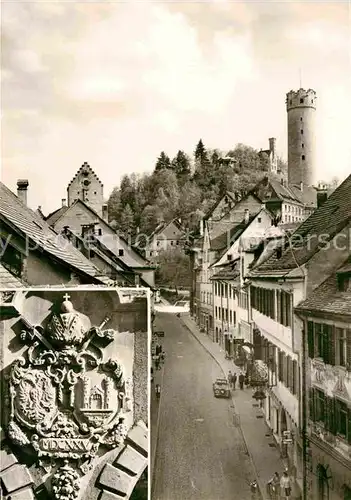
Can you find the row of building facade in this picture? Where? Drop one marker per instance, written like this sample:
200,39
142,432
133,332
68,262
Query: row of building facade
266,289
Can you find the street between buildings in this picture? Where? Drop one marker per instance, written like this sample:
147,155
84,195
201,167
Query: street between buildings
201,453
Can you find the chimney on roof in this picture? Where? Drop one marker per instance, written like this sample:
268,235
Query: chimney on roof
246,215
104,212
322,195
301,186
201,227
22,189
63,201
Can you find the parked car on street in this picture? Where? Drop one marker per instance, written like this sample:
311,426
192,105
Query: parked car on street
221,388
184,304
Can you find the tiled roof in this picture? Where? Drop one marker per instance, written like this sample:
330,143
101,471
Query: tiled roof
7,280
329,219
269,188
215,205
226,273
127,258
230,234
32,226
328,299
52,218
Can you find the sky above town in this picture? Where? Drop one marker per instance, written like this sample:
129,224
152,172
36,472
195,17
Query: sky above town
114,84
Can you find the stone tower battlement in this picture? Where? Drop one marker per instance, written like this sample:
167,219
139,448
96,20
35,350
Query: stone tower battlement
301,114
301,99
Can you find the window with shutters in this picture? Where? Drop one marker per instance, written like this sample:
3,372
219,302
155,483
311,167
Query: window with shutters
330,414
280,366
310,339
311,403
294,377
341,411
319,340
341,346
319,406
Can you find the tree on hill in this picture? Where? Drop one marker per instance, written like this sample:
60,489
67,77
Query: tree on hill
163,162
114,206
181,166
173,269
200,150
126,221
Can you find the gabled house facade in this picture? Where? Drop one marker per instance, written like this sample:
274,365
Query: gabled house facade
299,266
82,220
36,254
291,203
326,400
217,237
166,236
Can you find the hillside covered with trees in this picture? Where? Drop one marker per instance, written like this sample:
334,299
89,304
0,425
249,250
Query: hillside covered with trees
184,187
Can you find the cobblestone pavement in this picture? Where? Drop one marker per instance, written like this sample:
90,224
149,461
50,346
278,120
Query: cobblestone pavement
201,454
256,433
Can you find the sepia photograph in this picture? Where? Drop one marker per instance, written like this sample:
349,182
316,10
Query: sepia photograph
74,393
175,221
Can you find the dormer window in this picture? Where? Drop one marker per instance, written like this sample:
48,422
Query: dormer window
229,256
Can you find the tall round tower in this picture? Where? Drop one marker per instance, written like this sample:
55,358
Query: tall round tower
301,109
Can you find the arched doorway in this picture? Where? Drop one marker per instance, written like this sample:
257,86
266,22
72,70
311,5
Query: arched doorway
322,483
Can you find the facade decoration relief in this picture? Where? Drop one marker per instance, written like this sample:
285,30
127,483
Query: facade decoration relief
340,387
67,398
318,372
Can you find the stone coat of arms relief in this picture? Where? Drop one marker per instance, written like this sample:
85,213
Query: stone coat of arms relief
67,398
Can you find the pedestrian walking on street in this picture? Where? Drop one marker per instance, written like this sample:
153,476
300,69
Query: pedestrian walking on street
241,380
273,486
158,391
234,379
157,362
285,486
230,379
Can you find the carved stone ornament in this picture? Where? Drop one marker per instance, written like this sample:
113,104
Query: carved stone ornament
66,399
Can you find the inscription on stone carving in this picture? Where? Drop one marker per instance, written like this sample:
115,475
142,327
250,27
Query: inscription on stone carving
68,445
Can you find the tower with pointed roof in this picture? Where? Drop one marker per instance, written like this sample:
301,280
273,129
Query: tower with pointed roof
86,186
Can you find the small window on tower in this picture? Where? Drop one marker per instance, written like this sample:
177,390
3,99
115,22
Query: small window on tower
312,101
301,132
77,193
290,101
303,157
94,192
300,118
301,101
120,252
302,145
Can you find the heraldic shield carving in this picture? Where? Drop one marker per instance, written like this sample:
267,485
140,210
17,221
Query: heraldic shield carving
66,399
